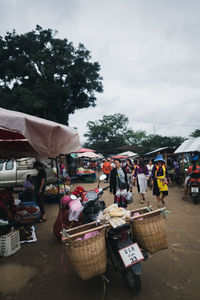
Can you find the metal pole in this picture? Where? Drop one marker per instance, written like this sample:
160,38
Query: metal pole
58,184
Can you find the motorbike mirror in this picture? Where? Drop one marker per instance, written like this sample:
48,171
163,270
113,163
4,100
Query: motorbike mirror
73,197
102,177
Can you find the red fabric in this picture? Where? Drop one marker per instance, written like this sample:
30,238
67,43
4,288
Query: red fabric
62,218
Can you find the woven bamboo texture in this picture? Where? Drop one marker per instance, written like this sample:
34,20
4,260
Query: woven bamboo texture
88,257
150,233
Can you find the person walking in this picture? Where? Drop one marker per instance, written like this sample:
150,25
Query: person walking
119,184
40,185
106,169
129,169
141,174
160,180
150,168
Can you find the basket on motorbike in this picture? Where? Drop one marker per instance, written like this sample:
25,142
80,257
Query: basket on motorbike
87,256
148,229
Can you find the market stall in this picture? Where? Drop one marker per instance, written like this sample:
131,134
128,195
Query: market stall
23,135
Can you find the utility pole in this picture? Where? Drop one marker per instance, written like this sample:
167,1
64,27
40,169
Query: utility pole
154,129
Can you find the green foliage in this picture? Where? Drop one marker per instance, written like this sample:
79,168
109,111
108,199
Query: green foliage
46,76
108,134
154,141
111,133
195,133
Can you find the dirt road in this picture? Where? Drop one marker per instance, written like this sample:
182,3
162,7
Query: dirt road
169,274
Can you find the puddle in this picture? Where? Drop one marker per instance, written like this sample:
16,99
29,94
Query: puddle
13,277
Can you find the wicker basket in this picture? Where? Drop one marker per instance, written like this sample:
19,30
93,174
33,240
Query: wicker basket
150,232
88,257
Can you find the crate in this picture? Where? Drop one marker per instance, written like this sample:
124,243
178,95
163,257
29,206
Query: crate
89,179
10,243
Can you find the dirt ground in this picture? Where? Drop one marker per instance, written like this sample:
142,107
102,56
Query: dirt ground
168,274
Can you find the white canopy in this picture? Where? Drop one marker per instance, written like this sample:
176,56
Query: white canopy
191,145
128,153
89,155
23,135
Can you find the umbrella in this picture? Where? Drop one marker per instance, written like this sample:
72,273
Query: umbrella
119,157
128,153
88,155
82,150
23,135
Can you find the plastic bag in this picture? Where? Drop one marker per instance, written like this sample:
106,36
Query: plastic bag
75,209
129,198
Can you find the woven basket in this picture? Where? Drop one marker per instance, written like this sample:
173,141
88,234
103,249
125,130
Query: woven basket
150,232
88,257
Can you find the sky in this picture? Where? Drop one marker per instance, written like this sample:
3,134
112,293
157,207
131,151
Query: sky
148,50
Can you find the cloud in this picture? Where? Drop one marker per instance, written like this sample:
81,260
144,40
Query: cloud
149,54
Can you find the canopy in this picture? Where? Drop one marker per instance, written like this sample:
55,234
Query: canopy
82,150
89,155
23,135
128,153
119,157
191,145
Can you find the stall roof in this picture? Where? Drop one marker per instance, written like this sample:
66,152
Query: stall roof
23,135
128,153
157,150
190,145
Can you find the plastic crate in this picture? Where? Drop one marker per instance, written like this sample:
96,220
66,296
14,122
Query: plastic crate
89,180
10,243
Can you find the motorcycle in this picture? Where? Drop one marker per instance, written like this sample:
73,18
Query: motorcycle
124,254
194,186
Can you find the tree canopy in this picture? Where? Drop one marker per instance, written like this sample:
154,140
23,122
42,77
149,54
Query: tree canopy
46,76
111,133
195,133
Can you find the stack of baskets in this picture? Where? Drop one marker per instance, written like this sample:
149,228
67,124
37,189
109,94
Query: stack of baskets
149,231
88,257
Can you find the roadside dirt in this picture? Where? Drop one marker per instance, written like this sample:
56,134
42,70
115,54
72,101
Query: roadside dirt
168,274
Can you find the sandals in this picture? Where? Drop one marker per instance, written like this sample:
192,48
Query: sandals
42,220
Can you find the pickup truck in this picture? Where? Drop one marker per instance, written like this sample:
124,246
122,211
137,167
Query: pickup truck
13,172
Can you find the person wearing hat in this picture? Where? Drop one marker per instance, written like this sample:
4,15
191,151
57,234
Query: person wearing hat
160,180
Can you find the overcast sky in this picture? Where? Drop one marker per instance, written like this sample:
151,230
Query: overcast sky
149,52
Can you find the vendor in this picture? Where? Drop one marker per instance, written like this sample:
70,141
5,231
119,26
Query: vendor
28,189
7,206
62,220
40,185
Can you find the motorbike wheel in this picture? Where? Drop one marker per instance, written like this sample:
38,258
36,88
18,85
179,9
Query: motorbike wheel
195,199
132,280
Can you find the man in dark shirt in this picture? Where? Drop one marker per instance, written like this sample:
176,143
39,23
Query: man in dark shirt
40,185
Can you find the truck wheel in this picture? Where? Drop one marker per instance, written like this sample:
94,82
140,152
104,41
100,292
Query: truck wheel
132,280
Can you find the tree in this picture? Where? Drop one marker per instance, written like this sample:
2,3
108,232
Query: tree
108,134
154,141
46,76
195,133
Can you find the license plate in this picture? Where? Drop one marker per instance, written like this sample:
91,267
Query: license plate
194,189
131,255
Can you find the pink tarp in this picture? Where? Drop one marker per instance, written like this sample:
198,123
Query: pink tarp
23,135
82,150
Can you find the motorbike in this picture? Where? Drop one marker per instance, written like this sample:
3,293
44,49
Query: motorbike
194,186
124,254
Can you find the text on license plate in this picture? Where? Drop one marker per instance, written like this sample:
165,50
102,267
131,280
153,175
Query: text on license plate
131,254
194,189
